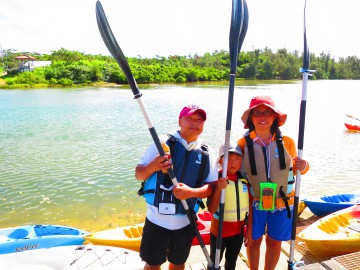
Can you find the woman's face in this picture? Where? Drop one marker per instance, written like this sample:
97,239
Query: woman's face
262,117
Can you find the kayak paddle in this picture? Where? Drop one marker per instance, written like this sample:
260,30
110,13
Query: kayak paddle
353,117
306,72
238,29
114,49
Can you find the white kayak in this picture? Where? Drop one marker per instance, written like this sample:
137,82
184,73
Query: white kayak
89,257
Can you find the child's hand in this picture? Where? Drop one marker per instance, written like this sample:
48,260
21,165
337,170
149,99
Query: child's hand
222,183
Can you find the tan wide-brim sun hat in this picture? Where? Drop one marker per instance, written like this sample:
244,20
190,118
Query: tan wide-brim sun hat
266,101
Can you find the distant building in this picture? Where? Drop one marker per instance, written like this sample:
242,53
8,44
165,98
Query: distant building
28,63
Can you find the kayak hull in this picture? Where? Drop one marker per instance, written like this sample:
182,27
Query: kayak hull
73,257
203,224
130,236
23,238
335,234
125,237
352,127
324,205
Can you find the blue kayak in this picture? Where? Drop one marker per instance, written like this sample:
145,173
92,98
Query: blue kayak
324,205
30,237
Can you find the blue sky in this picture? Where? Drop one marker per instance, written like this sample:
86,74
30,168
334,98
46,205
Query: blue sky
166,27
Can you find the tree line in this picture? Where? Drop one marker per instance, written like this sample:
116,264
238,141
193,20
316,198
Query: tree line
69,68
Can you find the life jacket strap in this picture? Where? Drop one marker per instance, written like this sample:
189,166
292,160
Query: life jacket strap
250,145
204,160
244,225
285,199
280,146
243,181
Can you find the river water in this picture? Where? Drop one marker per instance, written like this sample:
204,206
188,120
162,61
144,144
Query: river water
68,155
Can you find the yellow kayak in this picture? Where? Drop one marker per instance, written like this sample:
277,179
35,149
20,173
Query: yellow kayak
130,236
335,234
125,237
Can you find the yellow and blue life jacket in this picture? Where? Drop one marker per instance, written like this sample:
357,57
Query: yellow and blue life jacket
236,200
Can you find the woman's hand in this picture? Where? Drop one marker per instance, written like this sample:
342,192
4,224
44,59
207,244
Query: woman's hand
299,164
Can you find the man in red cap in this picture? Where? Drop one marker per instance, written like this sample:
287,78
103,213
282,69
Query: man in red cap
167,233
269,161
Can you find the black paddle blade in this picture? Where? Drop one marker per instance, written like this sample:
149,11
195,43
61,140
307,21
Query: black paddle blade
114,48
306,60
238,29
244,27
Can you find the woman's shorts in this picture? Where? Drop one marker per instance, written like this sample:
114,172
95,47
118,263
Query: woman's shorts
275,223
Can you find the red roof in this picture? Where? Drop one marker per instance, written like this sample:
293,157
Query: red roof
25,57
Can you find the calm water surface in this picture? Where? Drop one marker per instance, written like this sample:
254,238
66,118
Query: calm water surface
68,156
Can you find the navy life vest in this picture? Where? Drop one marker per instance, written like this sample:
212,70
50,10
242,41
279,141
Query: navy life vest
190,167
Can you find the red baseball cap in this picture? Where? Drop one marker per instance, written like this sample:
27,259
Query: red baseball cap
266,101
191,109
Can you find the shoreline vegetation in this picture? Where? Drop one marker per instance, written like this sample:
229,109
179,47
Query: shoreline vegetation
76,69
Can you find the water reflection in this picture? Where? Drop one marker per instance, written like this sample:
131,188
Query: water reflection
68,156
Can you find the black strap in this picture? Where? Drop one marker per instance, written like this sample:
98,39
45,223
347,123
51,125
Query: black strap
280,146
245,222
201,203
250,145
237,200
142,192
285,199
204,162
266,163
292,181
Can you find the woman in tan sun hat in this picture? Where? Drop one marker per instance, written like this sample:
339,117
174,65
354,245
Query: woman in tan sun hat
269,161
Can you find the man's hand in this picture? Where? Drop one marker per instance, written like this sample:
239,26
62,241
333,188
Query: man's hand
182,191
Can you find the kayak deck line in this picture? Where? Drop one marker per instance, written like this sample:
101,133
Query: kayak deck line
196,260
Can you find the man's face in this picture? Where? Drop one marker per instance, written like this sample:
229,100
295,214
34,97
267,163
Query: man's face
191,126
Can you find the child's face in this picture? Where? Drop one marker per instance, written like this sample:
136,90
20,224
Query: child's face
234,163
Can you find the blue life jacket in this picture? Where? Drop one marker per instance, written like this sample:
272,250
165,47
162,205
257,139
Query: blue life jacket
190,167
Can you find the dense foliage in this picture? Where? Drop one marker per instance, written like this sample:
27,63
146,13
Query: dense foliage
75,68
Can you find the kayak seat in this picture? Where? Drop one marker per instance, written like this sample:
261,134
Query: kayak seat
135,232
128,233
208,216
19,234
204,216
355,226
341,198
200,226
43,230
201,216
140,228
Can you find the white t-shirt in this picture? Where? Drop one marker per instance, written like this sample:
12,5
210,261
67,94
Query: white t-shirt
175,222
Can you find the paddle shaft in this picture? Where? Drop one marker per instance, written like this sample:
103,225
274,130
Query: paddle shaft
116,52
305,71
352,117
238,29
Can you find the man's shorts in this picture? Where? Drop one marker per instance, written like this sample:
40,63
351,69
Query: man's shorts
159,244
275,223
